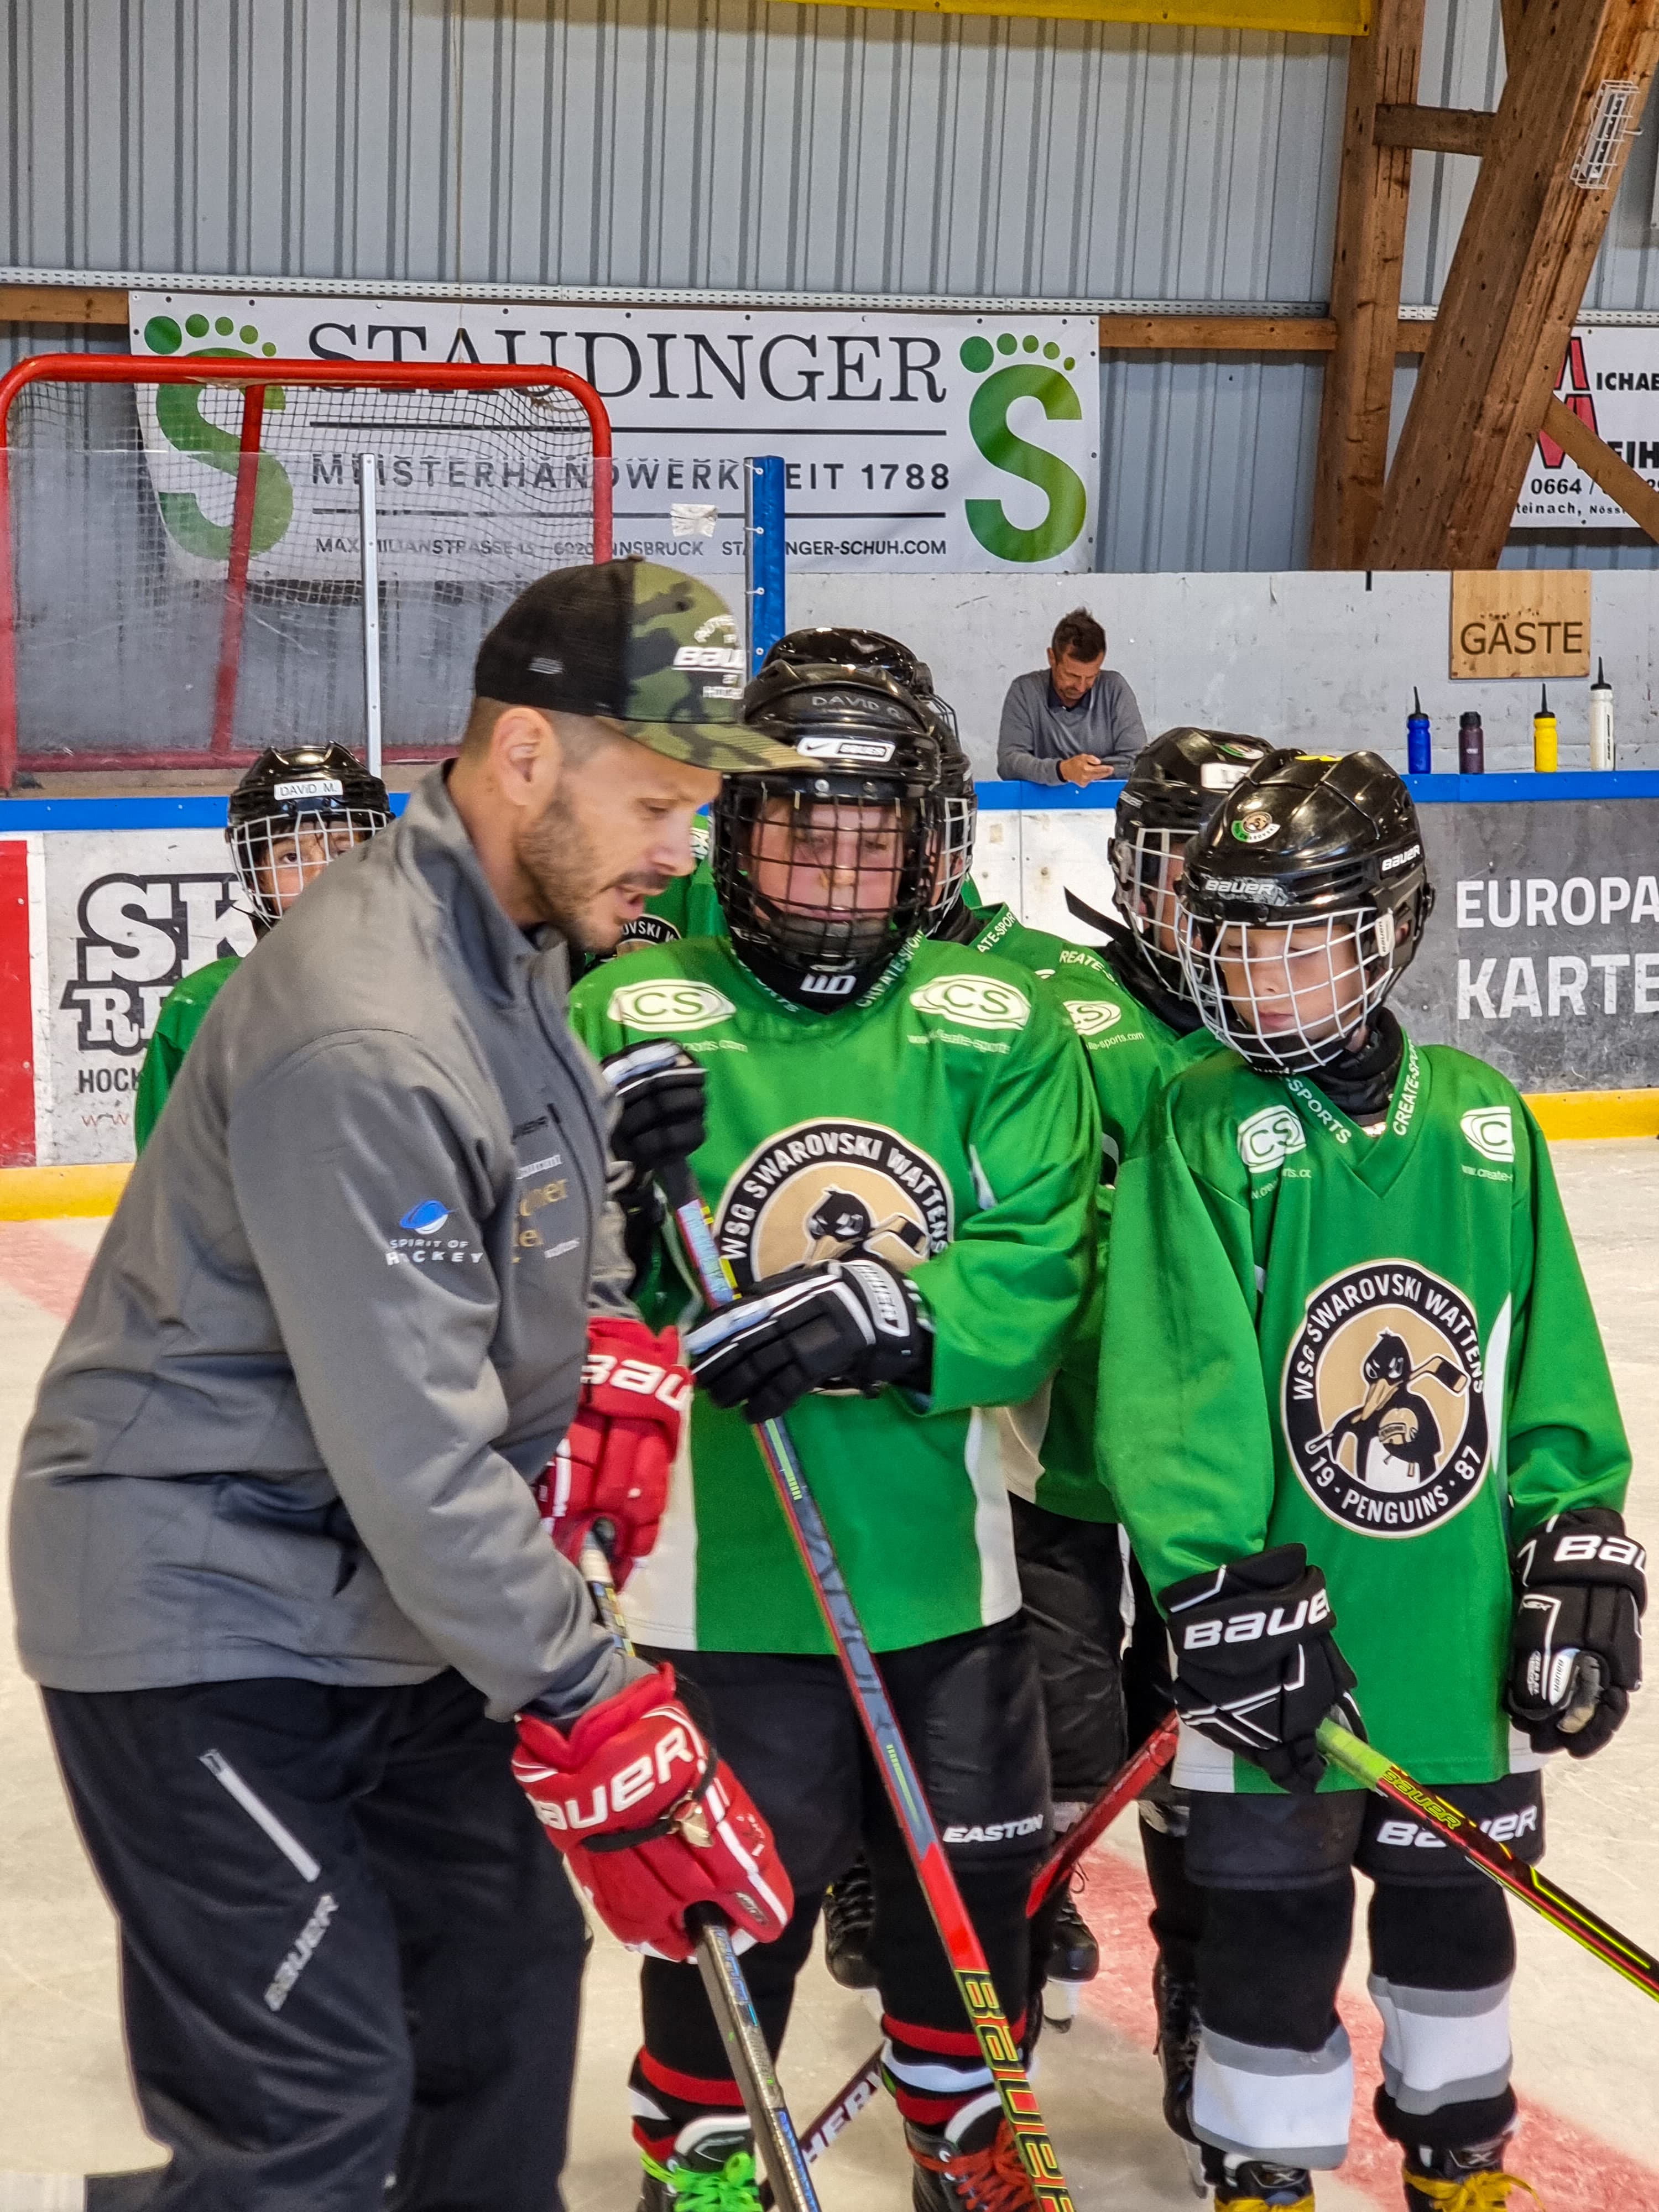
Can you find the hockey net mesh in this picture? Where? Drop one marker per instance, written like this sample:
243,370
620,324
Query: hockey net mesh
122,499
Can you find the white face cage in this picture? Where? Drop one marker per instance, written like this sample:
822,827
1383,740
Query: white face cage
279,855
1147,887
1287,995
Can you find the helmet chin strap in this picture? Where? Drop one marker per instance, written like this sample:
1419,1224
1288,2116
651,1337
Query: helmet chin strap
822,990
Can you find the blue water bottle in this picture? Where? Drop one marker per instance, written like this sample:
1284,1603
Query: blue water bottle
1418,754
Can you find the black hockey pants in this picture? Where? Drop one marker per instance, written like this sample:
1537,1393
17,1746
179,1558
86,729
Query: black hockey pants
347,1950
1071,1578
971,1713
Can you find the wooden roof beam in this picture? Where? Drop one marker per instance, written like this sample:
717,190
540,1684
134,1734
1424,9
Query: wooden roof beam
1365,277
1603,466
1433,130
1517,279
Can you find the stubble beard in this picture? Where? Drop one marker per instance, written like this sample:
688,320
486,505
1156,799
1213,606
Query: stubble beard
566,877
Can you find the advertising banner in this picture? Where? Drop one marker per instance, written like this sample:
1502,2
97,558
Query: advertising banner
929,443
1610,380
127,913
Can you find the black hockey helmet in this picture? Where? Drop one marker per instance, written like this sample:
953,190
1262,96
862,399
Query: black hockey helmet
293,792
836,646
1175,783
1325,847
847,842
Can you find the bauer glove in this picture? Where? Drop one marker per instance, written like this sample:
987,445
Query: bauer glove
611,1471
651,1820
1575,1652
850,1324
1257,1667
659,1087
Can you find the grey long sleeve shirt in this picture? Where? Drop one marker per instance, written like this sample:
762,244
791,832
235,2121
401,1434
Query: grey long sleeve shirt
1037,732
338,1320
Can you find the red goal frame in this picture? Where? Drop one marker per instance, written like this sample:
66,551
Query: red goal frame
147,368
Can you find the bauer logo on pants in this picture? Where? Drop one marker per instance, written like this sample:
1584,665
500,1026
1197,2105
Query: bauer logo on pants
1384,1404
825,1190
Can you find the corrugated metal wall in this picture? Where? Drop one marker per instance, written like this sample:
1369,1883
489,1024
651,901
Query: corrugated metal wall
737,144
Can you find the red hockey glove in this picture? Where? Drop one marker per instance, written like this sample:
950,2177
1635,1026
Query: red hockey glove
614,1464
651,1819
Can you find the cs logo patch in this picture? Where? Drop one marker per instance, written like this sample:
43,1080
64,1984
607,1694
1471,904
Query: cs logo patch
670,1005
1093,1016
1491,1130
1269,1137
982,1002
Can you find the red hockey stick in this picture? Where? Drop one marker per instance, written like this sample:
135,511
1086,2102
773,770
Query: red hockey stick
1125,1786
897,1770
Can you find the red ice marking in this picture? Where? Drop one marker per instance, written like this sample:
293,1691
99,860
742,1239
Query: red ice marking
41,1267
1572,2169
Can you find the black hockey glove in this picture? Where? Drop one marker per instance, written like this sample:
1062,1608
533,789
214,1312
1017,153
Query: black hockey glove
1257,1666
1576,1654
661,1089
850,1324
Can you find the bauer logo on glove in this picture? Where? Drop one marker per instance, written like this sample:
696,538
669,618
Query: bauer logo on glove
610,1473
651,1820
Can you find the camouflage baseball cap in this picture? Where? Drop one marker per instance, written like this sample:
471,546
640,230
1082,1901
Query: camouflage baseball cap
651,652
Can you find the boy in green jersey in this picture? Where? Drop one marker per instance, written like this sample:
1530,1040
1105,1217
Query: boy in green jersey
1357,1414
294,811
911,1260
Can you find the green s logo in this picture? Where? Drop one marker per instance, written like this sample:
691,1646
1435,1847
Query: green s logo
178,414
987,423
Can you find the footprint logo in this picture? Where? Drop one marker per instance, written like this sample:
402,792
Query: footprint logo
1024,369
178,414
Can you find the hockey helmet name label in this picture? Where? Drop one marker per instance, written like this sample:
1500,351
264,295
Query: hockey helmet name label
669,1004
1384,1400
828,1190
310,787
983,1002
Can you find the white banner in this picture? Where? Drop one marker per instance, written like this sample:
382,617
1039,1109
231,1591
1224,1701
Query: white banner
127,915
1610,379
929,443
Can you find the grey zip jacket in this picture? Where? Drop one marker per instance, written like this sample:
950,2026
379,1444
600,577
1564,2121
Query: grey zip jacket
337,1322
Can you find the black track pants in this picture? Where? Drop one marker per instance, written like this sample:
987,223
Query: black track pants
347,1950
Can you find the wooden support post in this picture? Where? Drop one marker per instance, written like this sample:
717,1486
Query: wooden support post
1434,129
1371,248
1603,466
1516,281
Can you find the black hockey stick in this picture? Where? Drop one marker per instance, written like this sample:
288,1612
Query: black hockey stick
893,1761
723,1979
1464,1834
1125,1786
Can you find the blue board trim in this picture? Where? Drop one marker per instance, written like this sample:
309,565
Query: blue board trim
205,811
199,811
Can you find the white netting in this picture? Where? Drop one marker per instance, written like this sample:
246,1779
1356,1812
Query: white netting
123,498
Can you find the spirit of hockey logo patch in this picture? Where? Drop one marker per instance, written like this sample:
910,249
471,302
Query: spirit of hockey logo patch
1384,1399
826,1189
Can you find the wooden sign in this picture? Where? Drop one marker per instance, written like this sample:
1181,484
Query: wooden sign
1349,19
1520,622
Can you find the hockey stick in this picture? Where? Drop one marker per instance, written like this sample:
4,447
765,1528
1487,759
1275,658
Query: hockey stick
897,1770
1464,1834
722,1977
1124,1787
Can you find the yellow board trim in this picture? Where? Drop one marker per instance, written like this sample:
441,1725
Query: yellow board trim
52,1193
1341,19
1563,1114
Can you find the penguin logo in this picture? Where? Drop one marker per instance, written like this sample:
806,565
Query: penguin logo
1383,1399
827,1190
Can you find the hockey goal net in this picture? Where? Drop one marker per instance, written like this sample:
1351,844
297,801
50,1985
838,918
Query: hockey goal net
182,566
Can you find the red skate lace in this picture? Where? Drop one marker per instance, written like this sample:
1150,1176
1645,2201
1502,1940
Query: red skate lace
988,2180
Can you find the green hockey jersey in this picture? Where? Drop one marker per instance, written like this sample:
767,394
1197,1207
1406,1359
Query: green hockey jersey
183,1010
1130,1052
1380,1347
944,1122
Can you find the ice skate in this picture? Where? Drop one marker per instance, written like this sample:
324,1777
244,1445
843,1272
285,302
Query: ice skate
973,2166
1257,2184
849,1914
1471,2180
711,2168
1074,1959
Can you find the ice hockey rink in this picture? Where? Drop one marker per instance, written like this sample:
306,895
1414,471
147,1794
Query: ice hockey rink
1587,2046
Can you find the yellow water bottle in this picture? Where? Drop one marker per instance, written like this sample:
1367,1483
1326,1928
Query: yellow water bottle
1545,738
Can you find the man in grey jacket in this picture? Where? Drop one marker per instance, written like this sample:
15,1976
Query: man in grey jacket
1076,720
276,1559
